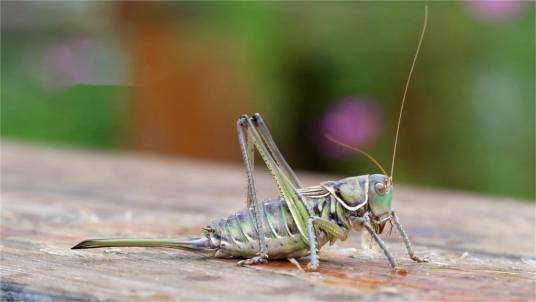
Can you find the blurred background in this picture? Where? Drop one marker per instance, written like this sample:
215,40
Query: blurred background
173,77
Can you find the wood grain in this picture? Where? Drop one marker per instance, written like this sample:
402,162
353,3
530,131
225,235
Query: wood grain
482,249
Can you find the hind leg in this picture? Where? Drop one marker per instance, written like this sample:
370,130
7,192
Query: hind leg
246,147
250,138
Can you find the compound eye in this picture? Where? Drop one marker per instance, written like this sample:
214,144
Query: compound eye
380,188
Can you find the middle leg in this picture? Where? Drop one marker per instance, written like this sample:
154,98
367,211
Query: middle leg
331,230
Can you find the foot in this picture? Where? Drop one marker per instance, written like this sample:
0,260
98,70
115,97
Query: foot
418,259
253,261
399,270
310,267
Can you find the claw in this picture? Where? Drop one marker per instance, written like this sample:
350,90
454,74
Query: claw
311,267
253,261
399,270
419,260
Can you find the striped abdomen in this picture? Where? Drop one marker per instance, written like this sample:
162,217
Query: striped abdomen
236,235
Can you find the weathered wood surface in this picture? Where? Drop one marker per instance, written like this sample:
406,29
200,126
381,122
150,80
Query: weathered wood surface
481,249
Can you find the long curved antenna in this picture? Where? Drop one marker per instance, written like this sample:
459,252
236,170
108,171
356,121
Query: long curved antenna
338,142
406,88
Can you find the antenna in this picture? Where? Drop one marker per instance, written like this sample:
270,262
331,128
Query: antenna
357,150
406,88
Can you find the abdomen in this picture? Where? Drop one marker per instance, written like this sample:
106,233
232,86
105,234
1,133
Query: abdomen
237,236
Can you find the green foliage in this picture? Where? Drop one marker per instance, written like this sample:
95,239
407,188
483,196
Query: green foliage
470,117
89,116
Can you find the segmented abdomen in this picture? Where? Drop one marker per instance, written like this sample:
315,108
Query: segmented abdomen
236,235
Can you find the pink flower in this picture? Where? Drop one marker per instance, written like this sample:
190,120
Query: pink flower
71,62
494,11
354,121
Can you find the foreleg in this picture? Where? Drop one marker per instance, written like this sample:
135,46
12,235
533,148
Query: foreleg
365,222
405,238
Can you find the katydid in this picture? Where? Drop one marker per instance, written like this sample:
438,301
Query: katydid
302,219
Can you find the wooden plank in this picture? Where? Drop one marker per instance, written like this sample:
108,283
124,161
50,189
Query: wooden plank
482,249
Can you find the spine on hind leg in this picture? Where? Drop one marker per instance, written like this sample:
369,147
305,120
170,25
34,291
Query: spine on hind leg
195,244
